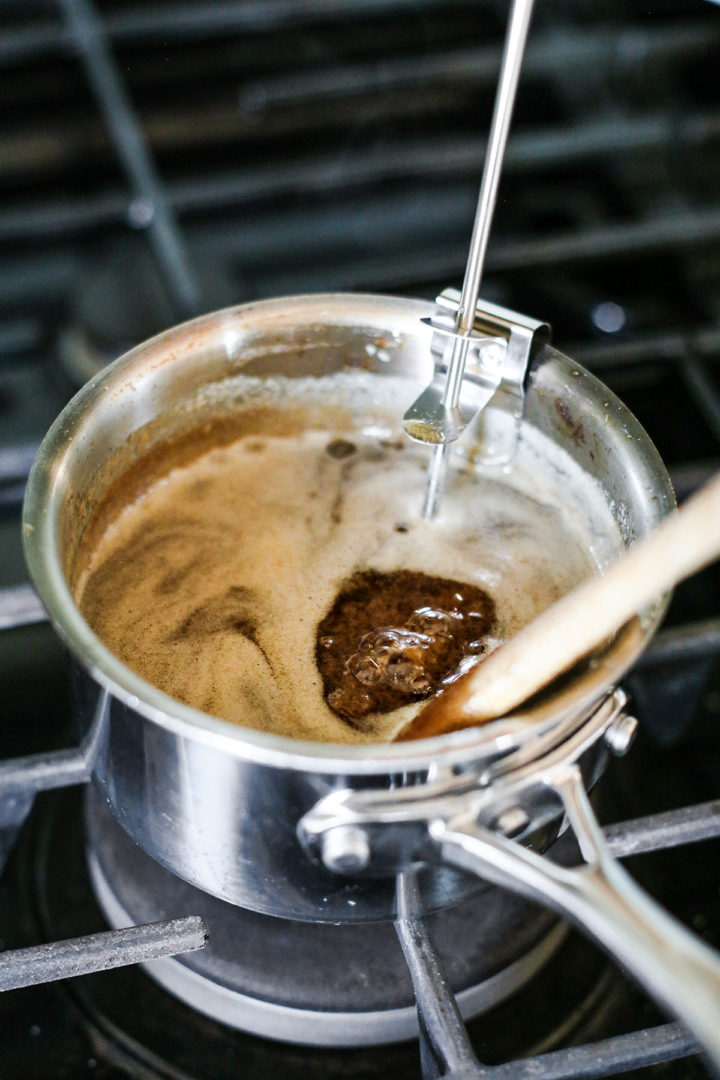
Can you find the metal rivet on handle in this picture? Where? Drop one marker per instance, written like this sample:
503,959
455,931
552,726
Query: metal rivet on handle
346,850
620,734
512,821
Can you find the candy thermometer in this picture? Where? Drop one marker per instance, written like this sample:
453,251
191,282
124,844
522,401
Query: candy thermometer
435,416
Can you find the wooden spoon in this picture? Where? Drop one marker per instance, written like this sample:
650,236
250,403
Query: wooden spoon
683,543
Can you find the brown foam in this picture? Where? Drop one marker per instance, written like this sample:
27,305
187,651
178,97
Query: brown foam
140,465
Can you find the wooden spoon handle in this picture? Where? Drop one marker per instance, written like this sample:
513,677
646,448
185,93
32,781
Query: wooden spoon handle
683,543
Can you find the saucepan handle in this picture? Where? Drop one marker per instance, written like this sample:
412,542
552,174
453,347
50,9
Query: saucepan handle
601,898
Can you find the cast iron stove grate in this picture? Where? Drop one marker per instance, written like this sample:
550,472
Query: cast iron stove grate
322,142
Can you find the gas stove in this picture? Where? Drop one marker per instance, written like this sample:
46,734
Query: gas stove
164,159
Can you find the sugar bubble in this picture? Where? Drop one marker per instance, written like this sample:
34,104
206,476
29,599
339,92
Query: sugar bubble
365,669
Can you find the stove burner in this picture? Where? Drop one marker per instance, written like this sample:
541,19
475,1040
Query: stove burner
128,1025
314,983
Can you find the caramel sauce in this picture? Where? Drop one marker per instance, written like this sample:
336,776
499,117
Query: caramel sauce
391,639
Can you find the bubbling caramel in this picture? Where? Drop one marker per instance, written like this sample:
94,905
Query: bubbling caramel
285,581
377,650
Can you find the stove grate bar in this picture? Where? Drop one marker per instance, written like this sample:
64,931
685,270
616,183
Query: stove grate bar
613,239
446,1052
149,207
648,347
100,952
371,269
545,56
20,335
688,478
16,461
445,1048
656,832
20,605
386,257
430,157
400,222
180,22
22,778
690,641
610,1057
703,391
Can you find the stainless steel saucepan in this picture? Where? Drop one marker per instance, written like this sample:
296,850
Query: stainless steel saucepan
297,829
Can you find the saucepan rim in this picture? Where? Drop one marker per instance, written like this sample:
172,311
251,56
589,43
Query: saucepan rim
41,513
